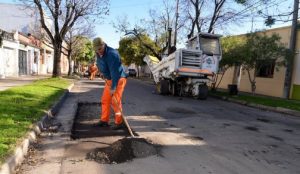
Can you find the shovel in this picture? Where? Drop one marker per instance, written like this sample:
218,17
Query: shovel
123,117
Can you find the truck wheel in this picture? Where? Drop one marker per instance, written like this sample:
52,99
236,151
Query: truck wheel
203,92
162,87
158,88
174,89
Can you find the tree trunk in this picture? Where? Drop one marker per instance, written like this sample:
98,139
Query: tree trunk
138,71
213,84
236,74
252,82
57,59
221,79
70,62
253,87
75,67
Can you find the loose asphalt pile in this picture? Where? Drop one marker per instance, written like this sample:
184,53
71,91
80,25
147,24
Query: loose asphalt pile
123,150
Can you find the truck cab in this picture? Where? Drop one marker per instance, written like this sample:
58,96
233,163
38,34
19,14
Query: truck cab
209,45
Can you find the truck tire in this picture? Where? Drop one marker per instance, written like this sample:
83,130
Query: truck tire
162,87
174,88
203,92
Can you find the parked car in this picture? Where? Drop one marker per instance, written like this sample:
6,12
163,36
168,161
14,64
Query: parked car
132,73
86,73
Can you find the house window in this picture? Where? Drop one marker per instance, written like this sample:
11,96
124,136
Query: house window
265,69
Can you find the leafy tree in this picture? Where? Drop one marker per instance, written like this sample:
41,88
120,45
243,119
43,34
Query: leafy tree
232,55
133,51
122,26
259,50
127,49
83,51
73,37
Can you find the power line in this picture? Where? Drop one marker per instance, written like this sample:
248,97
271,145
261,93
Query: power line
247,9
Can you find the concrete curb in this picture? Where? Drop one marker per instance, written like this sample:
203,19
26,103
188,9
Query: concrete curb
46,120
8,167
258,106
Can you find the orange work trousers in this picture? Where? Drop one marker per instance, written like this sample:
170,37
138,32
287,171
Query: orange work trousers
107,101
93,74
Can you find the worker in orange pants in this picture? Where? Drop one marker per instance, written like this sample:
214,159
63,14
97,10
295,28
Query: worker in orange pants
115,100
93,70
109,63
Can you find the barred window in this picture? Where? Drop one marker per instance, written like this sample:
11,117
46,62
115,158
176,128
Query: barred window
265,68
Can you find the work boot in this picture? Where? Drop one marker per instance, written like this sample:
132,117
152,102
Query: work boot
118,126
102,124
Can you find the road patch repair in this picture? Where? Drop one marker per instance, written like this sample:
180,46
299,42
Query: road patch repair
122,150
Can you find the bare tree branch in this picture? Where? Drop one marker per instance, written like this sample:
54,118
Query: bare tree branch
65,14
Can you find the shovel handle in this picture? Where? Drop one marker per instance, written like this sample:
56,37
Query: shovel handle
123,117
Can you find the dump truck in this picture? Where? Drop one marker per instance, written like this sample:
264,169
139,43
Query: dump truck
187,71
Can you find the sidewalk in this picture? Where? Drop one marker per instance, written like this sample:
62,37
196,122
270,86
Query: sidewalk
9,82
55,152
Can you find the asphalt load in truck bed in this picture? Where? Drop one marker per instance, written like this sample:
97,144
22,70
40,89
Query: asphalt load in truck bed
124,150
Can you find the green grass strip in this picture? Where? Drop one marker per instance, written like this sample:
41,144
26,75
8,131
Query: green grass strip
263,100
22,106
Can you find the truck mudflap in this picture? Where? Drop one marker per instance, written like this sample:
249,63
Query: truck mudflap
192,70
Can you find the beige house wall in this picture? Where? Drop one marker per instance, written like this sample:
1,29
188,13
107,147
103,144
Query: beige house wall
264,86
268,86
227,78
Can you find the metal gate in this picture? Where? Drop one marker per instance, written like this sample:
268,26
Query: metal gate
22,62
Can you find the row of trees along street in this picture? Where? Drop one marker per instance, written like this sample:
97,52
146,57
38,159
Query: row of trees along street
187,17
71,21
74,20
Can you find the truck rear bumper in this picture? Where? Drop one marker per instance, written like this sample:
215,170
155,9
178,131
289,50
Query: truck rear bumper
194,72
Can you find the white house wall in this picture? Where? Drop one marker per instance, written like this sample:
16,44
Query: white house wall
9,59
32,67
2,70
50,61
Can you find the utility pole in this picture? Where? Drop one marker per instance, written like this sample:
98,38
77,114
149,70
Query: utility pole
169,40
176,22
290,64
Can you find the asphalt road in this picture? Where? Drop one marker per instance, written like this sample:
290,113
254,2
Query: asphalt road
197,136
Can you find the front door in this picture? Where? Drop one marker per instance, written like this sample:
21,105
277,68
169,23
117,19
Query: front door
22,62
